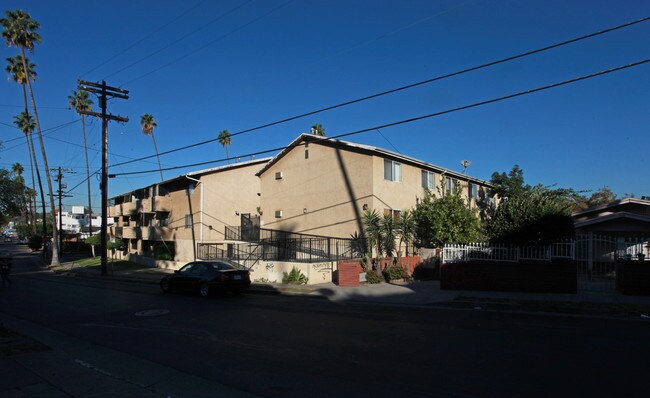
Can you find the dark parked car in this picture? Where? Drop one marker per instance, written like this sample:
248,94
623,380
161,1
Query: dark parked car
206,278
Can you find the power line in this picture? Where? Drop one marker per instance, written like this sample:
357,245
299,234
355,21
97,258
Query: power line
210,43
144,38
51,130
177,40
414,119
369,97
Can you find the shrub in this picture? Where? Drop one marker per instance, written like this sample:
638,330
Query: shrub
395,272
294,277
162,252
35,242
372,277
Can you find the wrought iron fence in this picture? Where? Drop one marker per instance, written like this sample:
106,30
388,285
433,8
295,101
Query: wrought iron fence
298,249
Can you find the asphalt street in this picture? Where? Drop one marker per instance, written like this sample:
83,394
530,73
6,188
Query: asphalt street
280,346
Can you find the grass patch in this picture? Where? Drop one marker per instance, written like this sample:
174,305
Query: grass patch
96,263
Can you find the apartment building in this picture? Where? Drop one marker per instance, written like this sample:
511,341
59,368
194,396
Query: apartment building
192,208
315,186
323,186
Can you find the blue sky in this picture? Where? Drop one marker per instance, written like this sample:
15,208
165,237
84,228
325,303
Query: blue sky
203,66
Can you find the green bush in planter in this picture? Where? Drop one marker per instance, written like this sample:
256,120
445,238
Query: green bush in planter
372,277
395,272
35,242
294,277
162,252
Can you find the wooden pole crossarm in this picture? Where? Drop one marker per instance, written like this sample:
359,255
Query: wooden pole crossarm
102,86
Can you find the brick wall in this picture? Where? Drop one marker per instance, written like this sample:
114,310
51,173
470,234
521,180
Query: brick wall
349,272
539,277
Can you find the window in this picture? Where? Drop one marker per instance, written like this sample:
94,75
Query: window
188,221
306,153
472,191
450,184
428,179
396,214
278,214
392,170
278,175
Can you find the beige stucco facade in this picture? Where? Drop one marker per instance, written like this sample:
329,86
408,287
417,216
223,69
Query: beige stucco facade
214,198
323,187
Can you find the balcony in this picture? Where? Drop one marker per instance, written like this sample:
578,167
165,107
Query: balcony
155,204
115,211
129,208
157,233
130,232
116,231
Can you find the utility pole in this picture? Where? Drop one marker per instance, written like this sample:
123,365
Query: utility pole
58,179
103,91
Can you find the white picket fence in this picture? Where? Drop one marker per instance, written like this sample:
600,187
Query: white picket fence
492,252
589,247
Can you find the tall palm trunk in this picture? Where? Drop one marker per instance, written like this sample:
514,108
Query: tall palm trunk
31,166
90,207
55,237
156,148
40,186
32,162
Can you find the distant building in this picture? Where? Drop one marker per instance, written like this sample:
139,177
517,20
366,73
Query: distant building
76,222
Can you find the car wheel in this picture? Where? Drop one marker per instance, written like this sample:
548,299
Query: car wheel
204,290
165,287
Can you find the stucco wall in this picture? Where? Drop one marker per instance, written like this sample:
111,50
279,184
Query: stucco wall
272,271
321,195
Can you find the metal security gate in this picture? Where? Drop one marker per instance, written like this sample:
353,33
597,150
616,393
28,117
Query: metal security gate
596,262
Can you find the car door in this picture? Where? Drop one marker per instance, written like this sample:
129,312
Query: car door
195,277
182,278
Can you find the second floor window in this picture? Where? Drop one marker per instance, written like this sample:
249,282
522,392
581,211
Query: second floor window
188,221
450,185
392,170
427,180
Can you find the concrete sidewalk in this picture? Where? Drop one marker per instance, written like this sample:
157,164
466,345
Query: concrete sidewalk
427,293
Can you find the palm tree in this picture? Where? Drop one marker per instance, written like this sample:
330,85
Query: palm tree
225,140
19,29
406,227
80,101
317,129
372,225
25,123
17,73
148,123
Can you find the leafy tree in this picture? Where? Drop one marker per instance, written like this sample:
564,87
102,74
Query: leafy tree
508,185
602,196
225,140
148,123
317,129
19,30
11,195
95,240
81,102
445,219
536,216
